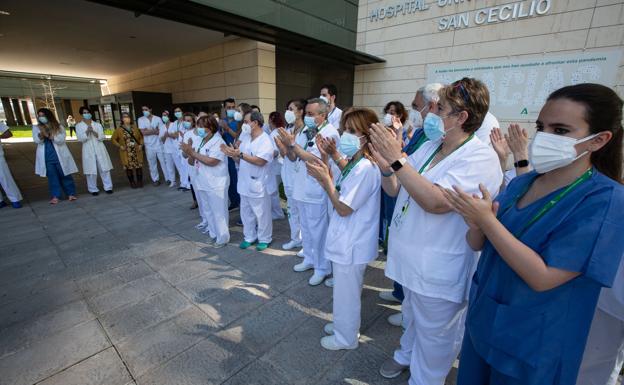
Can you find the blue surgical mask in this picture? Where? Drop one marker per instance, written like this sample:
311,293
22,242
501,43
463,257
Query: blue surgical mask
42,119
349,144
433,127
230,113
187,125
86,116
178,114
146,113
309,122
165,118
201,131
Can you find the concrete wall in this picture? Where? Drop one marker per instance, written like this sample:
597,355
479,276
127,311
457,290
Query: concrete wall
410,42
239,68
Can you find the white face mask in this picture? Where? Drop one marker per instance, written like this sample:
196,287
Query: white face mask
387,120
238,116
290,117
548,152
416,118
246,128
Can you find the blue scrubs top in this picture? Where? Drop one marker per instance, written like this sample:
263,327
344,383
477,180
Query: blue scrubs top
229,139
534,337
50,152
418,138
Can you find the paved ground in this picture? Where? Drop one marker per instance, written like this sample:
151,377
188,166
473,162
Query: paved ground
122,289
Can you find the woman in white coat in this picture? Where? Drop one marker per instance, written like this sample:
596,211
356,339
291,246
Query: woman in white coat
210,178
53,159
275,121
95,158
6,179
351,241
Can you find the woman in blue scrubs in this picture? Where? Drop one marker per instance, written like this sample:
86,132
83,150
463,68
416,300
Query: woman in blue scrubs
550,242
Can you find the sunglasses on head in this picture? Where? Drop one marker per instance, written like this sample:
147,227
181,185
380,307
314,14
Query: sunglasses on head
462,91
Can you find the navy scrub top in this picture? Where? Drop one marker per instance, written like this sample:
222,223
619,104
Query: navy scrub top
538,337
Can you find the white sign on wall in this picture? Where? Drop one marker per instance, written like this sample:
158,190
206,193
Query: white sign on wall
519,87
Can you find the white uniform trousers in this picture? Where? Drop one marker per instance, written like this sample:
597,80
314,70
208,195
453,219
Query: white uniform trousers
276,205
604,351
170,172
292,208
432,337
314,223
181,165
154,156
92,180
256,217
215,211
348,280
7,182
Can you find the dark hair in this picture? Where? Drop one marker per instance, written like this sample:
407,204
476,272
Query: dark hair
299,103
256,116
399,108
275,117
245,108
229,100
470,95
52,122
209,122
256,107
192,116
82,109
603,112
178,108
331,89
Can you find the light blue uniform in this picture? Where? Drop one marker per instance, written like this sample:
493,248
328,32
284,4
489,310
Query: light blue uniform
517,336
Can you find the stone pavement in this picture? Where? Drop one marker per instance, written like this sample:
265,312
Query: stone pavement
122,289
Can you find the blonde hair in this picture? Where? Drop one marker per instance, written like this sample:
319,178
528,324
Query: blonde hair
470,95
360,119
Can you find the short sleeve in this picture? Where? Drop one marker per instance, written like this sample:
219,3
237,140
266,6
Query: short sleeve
215,151
360,186
264,149
469,172
591,239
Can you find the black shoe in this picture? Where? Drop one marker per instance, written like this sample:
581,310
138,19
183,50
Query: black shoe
239,222
233,207
109,191
3,204
95,194
157,183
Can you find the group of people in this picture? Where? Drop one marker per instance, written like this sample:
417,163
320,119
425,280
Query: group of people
509,267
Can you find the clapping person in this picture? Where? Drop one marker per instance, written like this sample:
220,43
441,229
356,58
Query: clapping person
95,158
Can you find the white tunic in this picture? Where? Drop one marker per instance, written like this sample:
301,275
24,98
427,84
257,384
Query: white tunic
210,178
489,122
93,149
334,117
428,253
65,157
171,146
306,188
252,179
155,123
352,239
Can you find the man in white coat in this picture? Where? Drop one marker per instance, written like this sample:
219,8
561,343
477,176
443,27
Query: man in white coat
6,179
329,92
149,125
95,158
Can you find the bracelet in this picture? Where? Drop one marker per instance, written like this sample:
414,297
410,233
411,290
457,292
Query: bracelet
388,174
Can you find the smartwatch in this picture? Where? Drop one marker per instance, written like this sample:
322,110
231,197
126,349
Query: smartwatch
398,164
241,155
521,163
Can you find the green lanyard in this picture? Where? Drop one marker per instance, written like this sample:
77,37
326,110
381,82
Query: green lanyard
410,149
346,172
420,171
203,142
549,205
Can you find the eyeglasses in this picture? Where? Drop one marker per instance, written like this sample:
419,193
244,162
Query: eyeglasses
463,91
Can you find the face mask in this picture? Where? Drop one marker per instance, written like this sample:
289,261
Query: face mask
230,113
238,116
165,119
246,128
387,120
349,144
309,122
324,98
187,125
416,118
146,113
86,116
290,117
201,131
548,152
42,119
434,127
178,114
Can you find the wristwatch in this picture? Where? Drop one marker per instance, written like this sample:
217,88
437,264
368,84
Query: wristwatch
521,163
398,164
240,155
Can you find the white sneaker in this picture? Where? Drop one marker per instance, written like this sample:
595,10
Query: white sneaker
211,241
329,343
219,245
201,225
300,254
329,282
291,245
329,328
302,267
396,319
173,184
387,296
316,279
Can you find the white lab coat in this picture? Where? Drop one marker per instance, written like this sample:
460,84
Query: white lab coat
65,157
93,149
6,179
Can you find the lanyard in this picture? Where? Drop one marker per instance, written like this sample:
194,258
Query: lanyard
412,147
346,171
203,142
399,217
549,205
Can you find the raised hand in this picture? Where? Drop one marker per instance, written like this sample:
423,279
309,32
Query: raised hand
385,143
518,140
286,137
473,208
499,143
319,171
